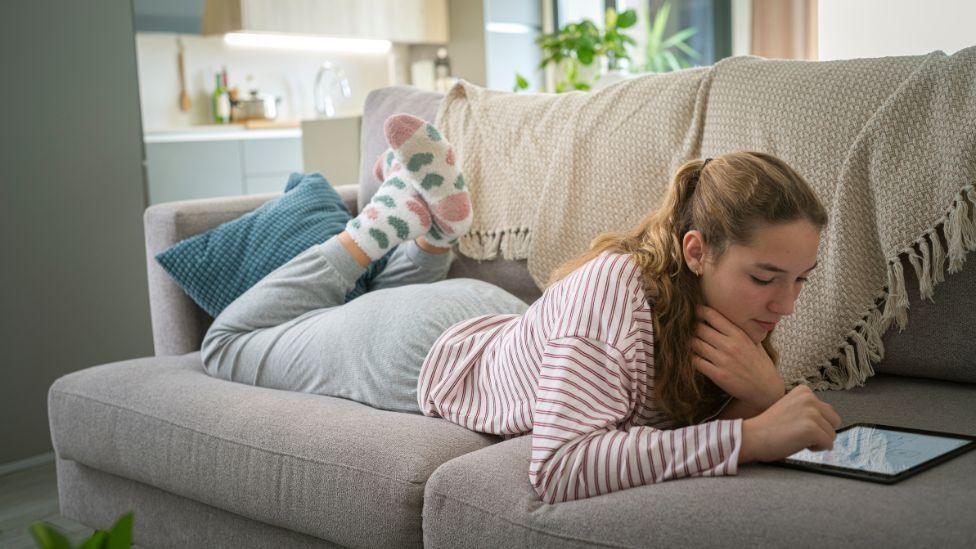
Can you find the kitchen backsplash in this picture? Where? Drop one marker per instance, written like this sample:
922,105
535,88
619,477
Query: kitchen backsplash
288,74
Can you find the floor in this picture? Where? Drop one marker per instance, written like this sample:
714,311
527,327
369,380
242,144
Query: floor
28,496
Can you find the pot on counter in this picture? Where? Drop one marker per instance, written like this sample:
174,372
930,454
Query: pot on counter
258,106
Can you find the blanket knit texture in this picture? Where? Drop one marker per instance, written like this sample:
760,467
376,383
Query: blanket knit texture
888,144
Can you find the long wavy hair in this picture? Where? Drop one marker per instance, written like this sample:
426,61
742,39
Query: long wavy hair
727,200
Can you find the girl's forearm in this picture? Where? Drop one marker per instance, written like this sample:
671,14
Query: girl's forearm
739,409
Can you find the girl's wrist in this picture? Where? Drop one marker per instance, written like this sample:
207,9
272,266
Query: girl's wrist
747,446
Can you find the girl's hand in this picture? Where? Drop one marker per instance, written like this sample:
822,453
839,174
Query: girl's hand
727,355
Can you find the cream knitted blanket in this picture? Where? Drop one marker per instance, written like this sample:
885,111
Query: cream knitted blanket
889,145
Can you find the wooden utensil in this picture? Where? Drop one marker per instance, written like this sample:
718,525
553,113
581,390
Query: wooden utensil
184,97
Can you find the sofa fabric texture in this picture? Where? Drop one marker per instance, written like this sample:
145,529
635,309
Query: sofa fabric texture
327,467
162,519
484,499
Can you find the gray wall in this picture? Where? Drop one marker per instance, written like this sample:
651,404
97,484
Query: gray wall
466,46
72,192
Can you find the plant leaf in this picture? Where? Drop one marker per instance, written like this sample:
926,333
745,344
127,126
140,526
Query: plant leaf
658,63
585,56
627,19
679,36
98,540
520,83
47,537
672,60
688,50
660,20
120,537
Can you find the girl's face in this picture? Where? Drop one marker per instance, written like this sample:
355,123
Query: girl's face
757,285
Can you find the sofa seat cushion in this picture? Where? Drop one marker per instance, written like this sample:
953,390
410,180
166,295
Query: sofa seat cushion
484,498
328,467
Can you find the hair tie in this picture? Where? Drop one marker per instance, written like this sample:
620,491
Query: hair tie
707,160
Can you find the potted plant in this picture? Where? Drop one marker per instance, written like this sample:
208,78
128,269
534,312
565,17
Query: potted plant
578,45
575,47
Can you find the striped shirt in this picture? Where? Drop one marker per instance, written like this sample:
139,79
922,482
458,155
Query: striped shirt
576,370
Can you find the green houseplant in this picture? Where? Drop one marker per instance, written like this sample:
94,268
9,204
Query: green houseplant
663,54
118,537
580,44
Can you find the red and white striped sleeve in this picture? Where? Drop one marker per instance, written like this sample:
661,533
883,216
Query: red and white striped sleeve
585,391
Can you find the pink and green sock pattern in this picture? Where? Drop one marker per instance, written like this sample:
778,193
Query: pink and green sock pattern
422,157
395,214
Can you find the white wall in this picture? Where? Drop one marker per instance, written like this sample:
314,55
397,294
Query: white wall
289,74
880,28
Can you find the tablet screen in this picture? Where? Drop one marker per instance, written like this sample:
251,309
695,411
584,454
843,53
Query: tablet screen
879,450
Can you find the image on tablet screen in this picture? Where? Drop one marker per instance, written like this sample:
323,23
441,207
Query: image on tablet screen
879,450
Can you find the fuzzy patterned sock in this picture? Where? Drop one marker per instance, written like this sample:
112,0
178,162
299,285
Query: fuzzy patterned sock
427,161
395,214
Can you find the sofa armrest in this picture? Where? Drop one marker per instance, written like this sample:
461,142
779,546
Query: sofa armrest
178,323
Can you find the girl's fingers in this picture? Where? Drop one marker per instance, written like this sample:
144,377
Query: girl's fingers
704,349
709,335
830,414
704,366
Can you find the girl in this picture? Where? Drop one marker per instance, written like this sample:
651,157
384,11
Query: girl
646,359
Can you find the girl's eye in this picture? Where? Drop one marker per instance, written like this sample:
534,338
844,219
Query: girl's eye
762,282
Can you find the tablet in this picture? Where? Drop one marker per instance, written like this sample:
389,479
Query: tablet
881,453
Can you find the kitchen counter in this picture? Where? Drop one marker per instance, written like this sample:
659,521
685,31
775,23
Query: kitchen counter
219,132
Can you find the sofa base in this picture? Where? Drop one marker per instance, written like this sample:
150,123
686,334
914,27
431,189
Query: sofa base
162,519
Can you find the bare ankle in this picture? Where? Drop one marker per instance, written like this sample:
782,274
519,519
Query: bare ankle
354,250
430,248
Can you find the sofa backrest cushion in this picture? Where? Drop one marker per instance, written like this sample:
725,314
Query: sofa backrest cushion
938,341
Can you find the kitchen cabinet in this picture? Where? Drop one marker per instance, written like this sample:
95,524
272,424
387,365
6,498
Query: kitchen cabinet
198,169
201,166
404,21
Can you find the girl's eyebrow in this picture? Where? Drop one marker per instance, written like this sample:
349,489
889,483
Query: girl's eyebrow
775,269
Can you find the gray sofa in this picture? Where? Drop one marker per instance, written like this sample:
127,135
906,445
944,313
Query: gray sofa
210,463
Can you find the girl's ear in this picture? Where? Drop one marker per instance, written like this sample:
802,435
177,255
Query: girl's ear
693,248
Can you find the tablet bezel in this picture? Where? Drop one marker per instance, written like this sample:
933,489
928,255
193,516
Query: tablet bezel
881,477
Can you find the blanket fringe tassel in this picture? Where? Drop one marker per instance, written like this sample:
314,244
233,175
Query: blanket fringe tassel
513,244
863,344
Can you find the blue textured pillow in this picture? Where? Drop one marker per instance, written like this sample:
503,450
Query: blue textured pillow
214,268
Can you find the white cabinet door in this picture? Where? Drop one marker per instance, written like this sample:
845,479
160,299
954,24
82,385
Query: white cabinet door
197,169
259,184
270,156
407,21
183,170
269,162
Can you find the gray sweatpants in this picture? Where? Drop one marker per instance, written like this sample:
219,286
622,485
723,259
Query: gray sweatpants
293,331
